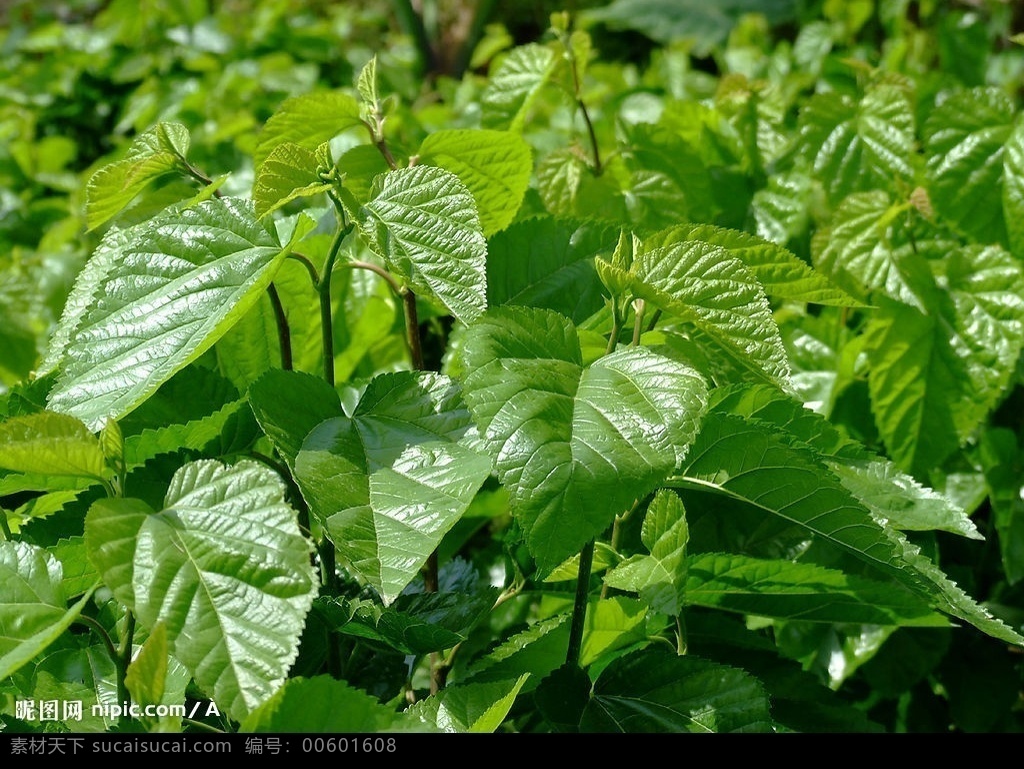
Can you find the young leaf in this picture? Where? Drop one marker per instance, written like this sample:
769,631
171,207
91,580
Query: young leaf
156,152
494,165
289,172
575,446
34,611
425,225
224,567
390,481
653,691
703,284
179,283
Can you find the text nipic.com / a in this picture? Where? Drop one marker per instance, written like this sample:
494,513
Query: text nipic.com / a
72,710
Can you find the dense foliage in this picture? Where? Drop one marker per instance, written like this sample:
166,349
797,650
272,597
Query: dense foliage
643,366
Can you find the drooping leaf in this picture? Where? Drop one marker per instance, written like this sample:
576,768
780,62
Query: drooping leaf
468,708
548,263
425,225
809,593
179,283
750,462
494,165
34,612
224,567
575,446
654,691
390,481
51,444
153,153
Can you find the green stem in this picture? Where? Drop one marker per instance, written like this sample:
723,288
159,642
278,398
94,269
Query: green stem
681,642
310,267
284,333
200,177
326,311
577,88
124,660
638,306
613,338
201,726
579,609
5,527
94,625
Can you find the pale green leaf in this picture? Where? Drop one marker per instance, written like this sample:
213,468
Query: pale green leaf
855,145
515,84
51,444
158,151
656,692
612,624
78,574
494,165
308,120
288,173
179,283
33,610
703,284
390,481
425,225
468,708
224,567
574,446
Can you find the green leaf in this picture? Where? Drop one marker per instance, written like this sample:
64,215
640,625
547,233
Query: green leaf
147,673
778,270
660,577
156,152
809,593
515,84
224,567
890,494
340,709
51,444
390,481
416,623
965,139
1013,189
288,173
575,446
535,651
654,692
703,284
308,120
749,462
780,209
179,283
855,145
861,253
425,225
289,404
468,708
549,263
34,611
934,377
494,165
78,574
